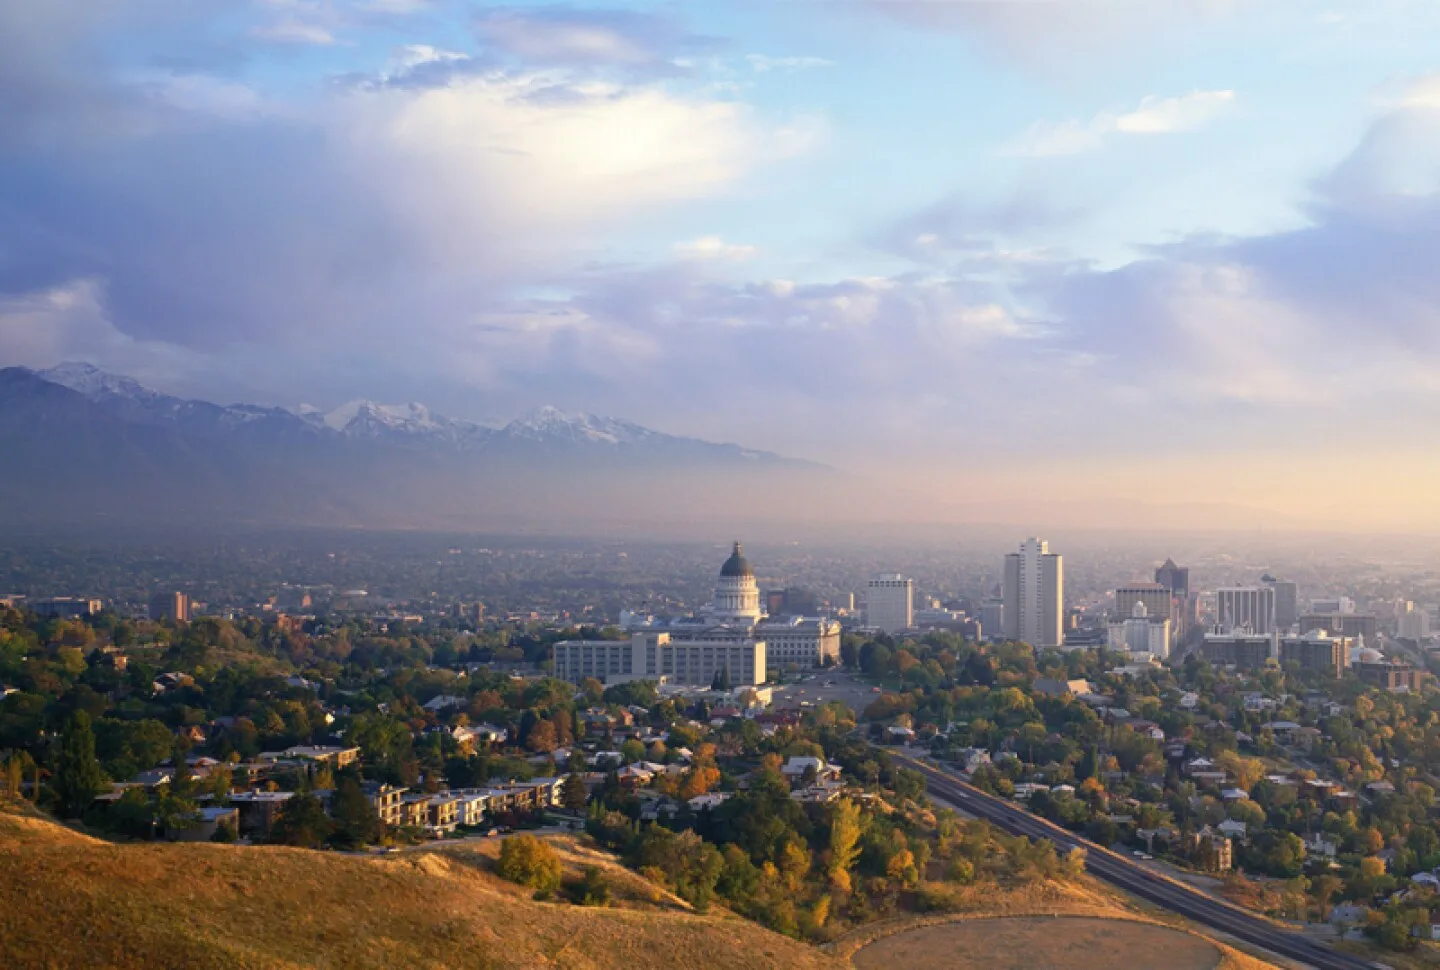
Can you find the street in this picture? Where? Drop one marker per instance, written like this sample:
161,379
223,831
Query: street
1136,879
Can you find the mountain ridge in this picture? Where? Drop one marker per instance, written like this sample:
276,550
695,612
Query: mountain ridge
114,451
364,418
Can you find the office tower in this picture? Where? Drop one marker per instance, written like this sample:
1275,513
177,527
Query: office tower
170,606
1035,595
890,603
1247,651
1412,623
1287,604
1174,578
1317,651
1157,597
992,618
1246,608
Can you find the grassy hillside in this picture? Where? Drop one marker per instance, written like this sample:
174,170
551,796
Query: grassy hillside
67,900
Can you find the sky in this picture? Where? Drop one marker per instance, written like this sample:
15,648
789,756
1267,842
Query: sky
1125,250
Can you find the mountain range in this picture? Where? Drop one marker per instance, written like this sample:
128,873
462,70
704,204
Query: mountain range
84,445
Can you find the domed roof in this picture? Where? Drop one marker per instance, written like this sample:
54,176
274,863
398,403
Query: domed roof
736,566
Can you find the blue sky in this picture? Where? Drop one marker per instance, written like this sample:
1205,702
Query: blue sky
991,243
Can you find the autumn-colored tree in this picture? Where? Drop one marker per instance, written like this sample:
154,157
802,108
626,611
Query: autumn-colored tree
530,862
541,739
844,843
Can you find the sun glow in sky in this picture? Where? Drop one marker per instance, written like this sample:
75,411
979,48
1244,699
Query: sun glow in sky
1172,250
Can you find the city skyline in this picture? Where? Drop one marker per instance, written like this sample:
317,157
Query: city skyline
961,241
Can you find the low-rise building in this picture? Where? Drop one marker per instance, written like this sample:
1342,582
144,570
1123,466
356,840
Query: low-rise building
259,809
385,799
1317,650
657,657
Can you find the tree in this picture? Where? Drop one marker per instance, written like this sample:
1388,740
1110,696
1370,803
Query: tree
16,764
593,889
355,820
844,843
542,738
302,822
530,862
78,778
573,794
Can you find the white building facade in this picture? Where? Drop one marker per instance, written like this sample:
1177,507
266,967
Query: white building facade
1034,609
1245,609
658,657
1141,634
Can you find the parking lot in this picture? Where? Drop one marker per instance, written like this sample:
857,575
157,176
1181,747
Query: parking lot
823,687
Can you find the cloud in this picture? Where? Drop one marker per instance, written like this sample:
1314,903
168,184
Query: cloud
574,37
1158,116
1032,28
1154,116
713,247
294,32
762,64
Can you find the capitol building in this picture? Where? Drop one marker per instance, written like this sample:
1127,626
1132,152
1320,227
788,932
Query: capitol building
791,642
733,634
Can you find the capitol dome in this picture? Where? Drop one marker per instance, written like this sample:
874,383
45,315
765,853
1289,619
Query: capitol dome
736,566
737,598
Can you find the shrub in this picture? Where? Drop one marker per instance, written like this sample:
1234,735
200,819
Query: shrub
530,862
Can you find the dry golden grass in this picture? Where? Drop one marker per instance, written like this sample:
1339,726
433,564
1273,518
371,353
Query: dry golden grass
1038,943
67,900
1033,909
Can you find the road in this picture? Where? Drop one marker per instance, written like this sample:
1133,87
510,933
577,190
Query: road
1138,880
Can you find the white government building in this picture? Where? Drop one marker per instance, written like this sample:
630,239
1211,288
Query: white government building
1141,635
732,633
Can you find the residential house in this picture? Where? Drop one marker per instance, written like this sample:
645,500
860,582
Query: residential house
211,818
445,702
259,809
798,767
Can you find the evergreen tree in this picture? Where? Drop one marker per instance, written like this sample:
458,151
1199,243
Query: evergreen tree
78,778
302,822
573,794
355,819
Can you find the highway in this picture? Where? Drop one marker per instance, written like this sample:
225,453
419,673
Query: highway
1137,879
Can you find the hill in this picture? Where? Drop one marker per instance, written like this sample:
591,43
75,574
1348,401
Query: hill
67,900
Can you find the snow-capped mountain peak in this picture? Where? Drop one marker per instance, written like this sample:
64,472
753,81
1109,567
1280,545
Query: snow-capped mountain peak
551,422
94,383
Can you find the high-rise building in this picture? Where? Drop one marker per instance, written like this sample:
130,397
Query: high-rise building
1157,597
1245,609
1035,595
992,617
1174,578
890,603
1412,623
170,606
1287,603
1365,625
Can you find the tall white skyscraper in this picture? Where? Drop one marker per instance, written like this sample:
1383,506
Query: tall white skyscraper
1035,595
890,603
